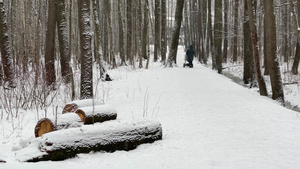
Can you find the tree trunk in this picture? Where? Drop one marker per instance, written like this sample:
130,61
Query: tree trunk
218,35
248,52
6,58
260,79
275,76
86,84
297,54
129,33
175,34
145,30
63,40
211,37
121,34
50,45
235,41
163,31
297,59
225,48
157,30
98,38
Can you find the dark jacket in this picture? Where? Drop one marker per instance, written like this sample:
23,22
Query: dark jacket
190,54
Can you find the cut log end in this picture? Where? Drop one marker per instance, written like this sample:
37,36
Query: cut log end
98,114
43,126
81,114
70,108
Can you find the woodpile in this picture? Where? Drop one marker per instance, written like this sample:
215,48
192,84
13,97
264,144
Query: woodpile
109,137
69,135
74,114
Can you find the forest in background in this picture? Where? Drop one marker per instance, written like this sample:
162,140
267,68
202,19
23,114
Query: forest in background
49,46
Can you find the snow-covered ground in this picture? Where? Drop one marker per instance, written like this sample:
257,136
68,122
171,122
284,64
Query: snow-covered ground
208,121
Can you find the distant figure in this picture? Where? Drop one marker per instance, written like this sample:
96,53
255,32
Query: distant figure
190,57
107,78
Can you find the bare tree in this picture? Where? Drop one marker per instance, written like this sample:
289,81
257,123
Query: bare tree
235,41
271,54
175,34
163,31
218,35
248,76
260,79
86,84
6,58
157,30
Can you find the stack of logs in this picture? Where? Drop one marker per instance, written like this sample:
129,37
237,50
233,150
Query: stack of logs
75,114
71,134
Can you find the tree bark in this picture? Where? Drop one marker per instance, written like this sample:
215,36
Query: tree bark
145,30
63,33
260,79
86,82
218,35
297,54
175,34
98,38
235,41
163,31
50,45
225,48
129,33
248,52
157,30
6,58
273,61
121,34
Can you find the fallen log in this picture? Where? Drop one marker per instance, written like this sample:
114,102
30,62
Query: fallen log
64,121
109,136
76,104
43,126
99,113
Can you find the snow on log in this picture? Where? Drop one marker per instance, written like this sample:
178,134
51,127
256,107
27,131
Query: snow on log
68,120
99,113
109,136
64,121
76,104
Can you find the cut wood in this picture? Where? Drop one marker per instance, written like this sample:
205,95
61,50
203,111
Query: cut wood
76,104
43,126
64,121
109,136
99,113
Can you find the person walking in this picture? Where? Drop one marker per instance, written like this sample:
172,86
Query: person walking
190,56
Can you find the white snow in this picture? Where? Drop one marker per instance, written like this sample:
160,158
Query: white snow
208,122
85,102
99,110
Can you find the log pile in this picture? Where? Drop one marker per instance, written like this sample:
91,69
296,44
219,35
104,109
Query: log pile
109,137
86,112
69,135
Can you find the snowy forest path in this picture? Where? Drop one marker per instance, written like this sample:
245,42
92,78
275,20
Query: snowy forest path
209,121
